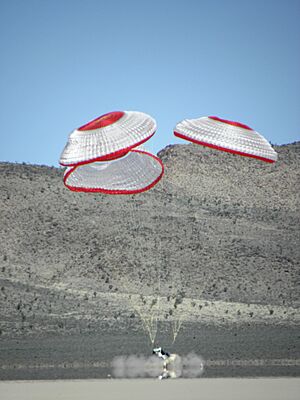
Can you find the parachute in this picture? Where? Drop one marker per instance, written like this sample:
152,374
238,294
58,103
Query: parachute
135,172
102,155
105,156
229,136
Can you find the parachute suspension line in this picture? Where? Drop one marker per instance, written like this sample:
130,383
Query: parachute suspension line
175,292
160,265
159,282
126,285
143,305
177,285
157,278
176,327
154,281
144,317
177,320
152,307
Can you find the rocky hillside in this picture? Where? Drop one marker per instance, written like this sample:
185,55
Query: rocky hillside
218,229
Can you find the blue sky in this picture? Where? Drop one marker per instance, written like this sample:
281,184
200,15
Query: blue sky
65,62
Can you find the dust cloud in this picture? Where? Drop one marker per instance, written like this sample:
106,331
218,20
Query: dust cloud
139,366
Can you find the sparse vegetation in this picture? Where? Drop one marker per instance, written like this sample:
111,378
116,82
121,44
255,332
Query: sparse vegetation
224,235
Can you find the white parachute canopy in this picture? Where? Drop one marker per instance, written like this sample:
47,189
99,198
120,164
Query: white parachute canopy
135,172
109,136
100,156
229,136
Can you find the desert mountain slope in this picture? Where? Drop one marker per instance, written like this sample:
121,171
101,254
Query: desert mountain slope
217,228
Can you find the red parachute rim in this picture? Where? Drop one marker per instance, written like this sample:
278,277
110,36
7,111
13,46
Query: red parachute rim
213,146
116,191
102,121
233,123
